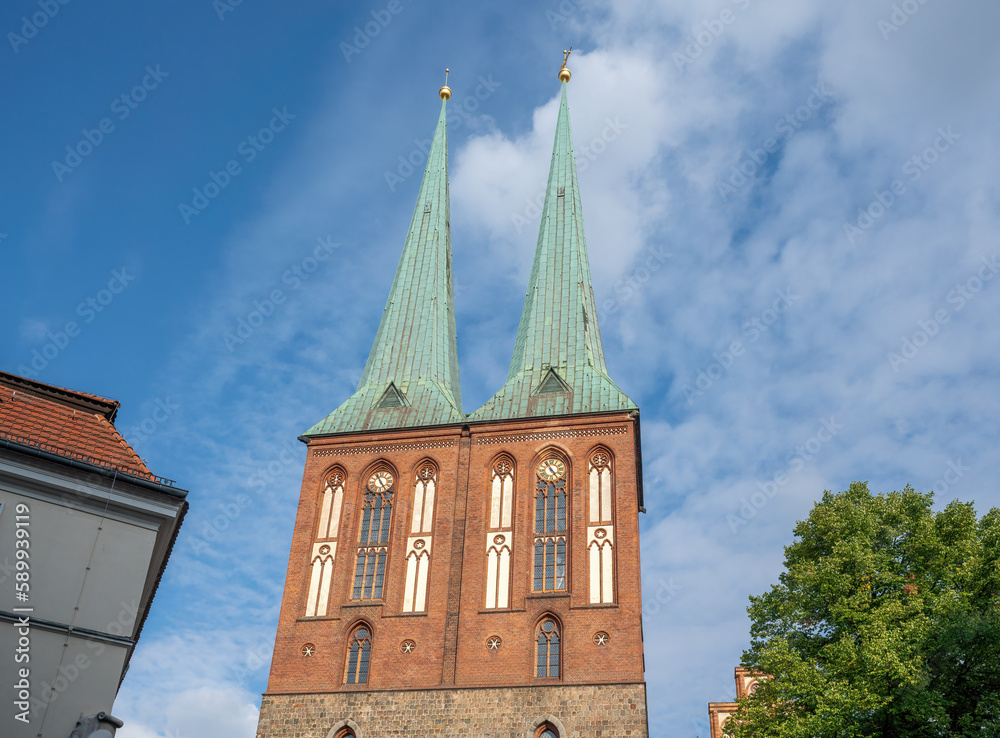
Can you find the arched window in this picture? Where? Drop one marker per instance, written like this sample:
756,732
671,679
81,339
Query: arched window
548,649
546,730
331,502
550,526
373,548
359,657
345,733
319,579
418,545
324,549
500,534
601,530
501,494
601,500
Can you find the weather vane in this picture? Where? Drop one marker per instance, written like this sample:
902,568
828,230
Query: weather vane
564,74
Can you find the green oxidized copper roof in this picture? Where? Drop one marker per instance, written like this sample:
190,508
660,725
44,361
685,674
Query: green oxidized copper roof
411,378
558,331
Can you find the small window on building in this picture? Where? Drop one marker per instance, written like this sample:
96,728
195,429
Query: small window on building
345,733
359,657
547,730
548,649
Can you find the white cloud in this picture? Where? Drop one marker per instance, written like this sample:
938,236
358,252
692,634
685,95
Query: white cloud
655,186
205,712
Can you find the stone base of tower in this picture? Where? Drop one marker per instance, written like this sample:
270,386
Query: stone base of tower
606,710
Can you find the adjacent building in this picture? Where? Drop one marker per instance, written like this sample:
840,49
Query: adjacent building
720,712
473,573
85,533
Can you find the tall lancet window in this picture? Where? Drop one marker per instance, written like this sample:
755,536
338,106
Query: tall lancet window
601,529
418,545
500,533
359,656
550,526
324,549
373,542
548,642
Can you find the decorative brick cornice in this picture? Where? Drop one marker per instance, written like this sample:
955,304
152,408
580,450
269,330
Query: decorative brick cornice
546,435
350,450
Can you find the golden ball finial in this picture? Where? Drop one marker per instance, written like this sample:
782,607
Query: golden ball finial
445,92
564,75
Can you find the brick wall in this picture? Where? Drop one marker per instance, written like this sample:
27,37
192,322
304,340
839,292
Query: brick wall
598,711
451,635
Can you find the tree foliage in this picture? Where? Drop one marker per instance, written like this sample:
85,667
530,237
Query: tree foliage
886,622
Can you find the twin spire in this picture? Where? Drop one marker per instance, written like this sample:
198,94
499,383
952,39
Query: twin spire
411,377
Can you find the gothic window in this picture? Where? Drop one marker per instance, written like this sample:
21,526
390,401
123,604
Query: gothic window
601,568
548,649
600,487
359,656
423,499
502,494
324,548
345,733
498,571
418,545
331,502
373,542
550,526
319,579
500,533
601,530
545,731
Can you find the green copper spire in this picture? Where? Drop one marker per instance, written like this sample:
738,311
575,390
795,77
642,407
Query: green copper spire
558,366
411,378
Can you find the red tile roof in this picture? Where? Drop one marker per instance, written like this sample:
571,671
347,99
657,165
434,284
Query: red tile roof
76,425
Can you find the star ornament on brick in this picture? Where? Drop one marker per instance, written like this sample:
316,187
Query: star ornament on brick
308,650
494,643
408,646
601,638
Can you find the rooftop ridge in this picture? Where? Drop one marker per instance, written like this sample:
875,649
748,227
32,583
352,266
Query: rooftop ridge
62,395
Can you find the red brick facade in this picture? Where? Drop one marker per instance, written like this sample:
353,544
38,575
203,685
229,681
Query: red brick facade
720,712
600,646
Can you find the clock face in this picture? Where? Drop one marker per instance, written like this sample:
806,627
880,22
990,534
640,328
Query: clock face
551,469
380,481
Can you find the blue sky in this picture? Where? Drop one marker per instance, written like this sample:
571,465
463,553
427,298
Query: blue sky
792,215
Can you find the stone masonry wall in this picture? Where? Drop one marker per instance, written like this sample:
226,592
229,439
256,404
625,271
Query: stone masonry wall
594,711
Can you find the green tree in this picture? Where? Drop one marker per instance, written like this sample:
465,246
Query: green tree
886,622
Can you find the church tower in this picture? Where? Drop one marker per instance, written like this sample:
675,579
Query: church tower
473,574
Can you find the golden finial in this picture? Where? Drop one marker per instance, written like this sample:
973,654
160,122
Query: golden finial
445,92
564,74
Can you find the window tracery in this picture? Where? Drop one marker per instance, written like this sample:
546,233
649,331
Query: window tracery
324,548
359,656
548,662
500,535
550,526
418,545
601,530
373,541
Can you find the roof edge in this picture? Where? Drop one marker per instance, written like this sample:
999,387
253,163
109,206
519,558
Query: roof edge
151,482
71,398
468,421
